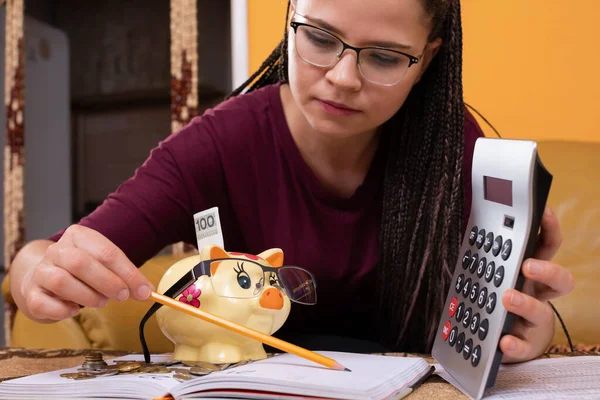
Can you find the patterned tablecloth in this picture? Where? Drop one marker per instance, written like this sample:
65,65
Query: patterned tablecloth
17,362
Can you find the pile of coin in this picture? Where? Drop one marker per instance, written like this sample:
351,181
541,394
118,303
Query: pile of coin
95,366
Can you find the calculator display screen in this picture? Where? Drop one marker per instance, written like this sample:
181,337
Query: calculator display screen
498,190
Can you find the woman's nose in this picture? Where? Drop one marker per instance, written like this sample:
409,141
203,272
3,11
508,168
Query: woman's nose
345,73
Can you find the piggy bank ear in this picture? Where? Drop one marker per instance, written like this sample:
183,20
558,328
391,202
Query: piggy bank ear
273,257
212,251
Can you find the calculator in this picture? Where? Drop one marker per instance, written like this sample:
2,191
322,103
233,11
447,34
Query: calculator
510,188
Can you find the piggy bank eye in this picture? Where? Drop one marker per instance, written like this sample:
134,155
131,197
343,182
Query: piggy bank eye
243,278
244,281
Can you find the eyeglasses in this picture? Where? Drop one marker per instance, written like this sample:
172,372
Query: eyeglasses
241,279
318,47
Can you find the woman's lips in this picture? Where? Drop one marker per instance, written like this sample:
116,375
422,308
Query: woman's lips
336,108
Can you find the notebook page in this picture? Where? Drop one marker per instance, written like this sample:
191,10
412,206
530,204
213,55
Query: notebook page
123,386
372,376
554,378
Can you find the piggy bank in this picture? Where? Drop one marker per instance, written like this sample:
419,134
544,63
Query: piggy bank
237,289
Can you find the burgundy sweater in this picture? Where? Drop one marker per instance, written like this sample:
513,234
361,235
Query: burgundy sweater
240,156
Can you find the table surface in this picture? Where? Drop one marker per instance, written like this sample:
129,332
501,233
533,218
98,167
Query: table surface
18,362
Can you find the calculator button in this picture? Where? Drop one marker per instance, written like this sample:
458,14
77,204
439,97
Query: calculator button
466,288
482,297
474,292
499,276
489,271
459,311
480,238
446,330
491,303
453,335
497,245
452,307
475,323
466,259
459,283
489,240
506,249
467,349
460,342
476,356
473,263
483,329
473,235
481,267
467,317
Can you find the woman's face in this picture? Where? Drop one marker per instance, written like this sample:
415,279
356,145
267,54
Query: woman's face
338,101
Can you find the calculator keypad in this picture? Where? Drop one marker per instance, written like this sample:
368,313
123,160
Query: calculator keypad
475,299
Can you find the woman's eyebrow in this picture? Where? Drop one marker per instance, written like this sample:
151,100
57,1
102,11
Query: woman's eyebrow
327,26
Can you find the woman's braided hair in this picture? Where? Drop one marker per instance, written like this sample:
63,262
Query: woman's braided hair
422,210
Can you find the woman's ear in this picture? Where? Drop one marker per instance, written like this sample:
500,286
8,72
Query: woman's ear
430,51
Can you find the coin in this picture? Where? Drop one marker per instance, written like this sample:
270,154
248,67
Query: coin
179,370
182,377
129,366
200,371
106,373
153,369
78,375
201,364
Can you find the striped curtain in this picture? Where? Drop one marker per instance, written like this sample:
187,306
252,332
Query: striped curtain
14,149
184,70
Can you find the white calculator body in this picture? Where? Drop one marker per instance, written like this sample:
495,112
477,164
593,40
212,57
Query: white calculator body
510,188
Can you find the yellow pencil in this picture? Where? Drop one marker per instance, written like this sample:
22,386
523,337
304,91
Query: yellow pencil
251,333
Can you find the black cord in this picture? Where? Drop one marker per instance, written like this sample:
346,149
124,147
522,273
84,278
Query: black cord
562,323
483,118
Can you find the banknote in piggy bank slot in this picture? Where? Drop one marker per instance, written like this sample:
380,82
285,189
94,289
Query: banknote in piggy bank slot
255,291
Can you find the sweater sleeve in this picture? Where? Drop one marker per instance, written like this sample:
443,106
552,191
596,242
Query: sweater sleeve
155,207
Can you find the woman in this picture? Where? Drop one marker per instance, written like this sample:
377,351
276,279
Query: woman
354,160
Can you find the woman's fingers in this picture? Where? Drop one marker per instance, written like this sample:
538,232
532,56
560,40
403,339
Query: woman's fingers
82,267
111,257
551,280
45,306
61,284
516,349
550,236
529,308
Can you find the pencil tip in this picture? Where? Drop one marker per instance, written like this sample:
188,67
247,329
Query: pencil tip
339,367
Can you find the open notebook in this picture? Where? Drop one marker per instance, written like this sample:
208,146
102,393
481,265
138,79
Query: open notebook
284,376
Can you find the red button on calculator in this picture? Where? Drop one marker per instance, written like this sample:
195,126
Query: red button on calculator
446,330
452,307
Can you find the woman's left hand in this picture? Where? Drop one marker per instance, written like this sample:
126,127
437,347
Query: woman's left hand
533,327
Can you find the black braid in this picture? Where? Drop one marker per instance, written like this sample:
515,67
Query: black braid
423,197
422,209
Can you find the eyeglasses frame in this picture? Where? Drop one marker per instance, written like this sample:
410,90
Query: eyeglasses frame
412,59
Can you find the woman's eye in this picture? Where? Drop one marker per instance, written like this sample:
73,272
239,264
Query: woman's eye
320,39
384,59
244,281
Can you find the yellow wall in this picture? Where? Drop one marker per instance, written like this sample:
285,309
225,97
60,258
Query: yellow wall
266,20
530,66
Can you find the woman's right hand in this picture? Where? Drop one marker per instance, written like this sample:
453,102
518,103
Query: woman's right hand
83,268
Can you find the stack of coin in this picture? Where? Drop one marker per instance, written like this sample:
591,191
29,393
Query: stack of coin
93,362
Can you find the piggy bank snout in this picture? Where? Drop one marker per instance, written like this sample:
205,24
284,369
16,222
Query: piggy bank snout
272,299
